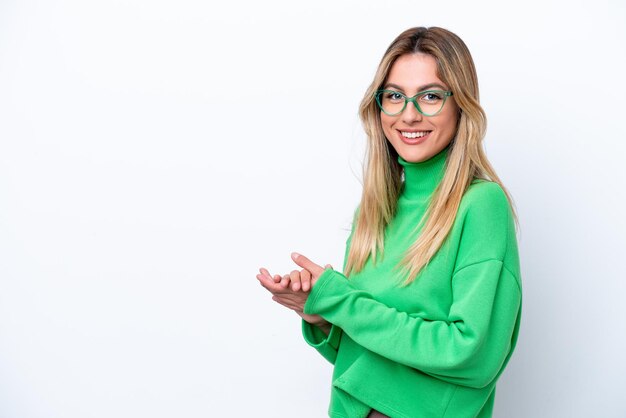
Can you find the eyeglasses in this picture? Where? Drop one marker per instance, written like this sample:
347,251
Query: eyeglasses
428,103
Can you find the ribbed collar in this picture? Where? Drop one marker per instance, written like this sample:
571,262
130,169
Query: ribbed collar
421,179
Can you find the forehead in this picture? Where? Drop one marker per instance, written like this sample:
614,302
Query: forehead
410,71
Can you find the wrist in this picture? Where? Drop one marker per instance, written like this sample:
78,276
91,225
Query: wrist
325,327
318,321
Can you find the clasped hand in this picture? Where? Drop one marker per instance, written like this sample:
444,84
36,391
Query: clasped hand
292,290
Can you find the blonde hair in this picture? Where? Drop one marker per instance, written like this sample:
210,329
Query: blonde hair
382,173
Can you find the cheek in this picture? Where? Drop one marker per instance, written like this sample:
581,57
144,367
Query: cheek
448,123
386,122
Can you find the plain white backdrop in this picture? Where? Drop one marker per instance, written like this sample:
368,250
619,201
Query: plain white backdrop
154,155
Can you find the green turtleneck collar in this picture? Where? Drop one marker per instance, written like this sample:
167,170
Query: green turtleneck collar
421,178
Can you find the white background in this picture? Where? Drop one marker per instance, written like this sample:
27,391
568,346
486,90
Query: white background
153,155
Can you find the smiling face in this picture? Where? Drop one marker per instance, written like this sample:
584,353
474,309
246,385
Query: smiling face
416,137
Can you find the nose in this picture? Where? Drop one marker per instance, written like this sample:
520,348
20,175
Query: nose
410,114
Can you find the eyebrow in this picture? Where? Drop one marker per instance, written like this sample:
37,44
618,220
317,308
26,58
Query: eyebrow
420,88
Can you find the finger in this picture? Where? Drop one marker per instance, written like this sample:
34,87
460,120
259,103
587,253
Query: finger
278,300
276,277
272,284
284,281
264,272
328,266
295,280
305,277
304,262
268,283
284,303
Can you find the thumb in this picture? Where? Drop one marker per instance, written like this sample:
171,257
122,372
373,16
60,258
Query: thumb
328,266
304,262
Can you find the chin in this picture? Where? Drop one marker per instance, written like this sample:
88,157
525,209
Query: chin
416,156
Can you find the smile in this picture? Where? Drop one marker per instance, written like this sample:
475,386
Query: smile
413,135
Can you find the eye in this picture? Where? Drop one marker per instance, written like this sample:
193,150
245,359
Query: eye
394,96
431,97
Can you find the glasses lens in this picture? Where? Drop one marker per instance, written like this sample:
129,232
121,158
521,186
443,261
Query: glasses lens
390,102
431,102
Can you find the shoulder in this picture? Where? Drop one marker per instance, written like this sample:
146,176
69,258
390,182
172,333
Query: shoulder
485,201
483,223
485,227
485,194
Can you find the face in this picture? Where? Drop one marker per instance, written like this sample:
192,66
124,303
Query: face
410,74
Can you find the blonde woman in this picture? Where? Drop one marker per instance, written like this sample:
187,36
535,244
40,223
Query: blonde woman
425,316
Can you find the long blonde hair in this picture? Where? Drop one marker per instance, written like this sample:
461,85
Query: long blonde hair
382,173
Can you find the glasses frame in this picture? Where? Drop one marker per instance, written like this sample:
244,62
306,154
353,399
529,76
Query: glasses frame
445,93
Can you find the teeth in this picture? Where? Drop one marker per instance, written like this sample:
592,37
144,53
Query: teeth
414,134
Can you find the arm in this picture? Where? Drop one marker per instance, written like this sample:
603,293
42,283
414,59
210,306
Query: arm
473,344
325,339
467,349
326,342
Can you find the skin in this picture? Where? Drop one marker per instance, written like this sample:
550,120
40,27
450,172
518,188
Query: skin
292,290
408,74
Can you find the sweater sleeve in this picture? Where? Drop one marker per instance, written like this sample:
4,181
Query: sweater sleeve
471,346
327,345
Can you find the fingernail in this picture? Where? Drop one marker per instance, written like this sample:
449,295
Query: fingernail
295,256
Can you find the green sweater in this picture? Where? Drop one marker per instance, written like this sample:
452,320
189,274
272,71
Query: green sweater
436,348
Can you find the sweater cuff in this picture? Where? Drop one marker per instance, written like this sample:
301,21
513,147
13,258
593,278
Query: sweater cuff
316,338
317,290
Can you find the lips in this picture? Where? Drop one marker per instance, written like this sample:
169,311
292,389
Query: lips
414,137
414,134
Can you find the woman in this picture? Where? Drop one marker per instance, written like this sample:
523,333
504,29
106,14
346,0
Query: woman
426,315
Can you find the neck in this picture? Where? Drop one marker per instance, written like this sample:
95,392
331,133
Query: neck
421,178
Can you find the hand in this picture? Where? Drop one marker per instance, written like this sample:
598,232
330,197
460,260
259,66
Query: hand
312,268
295,296
286,296
305,278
